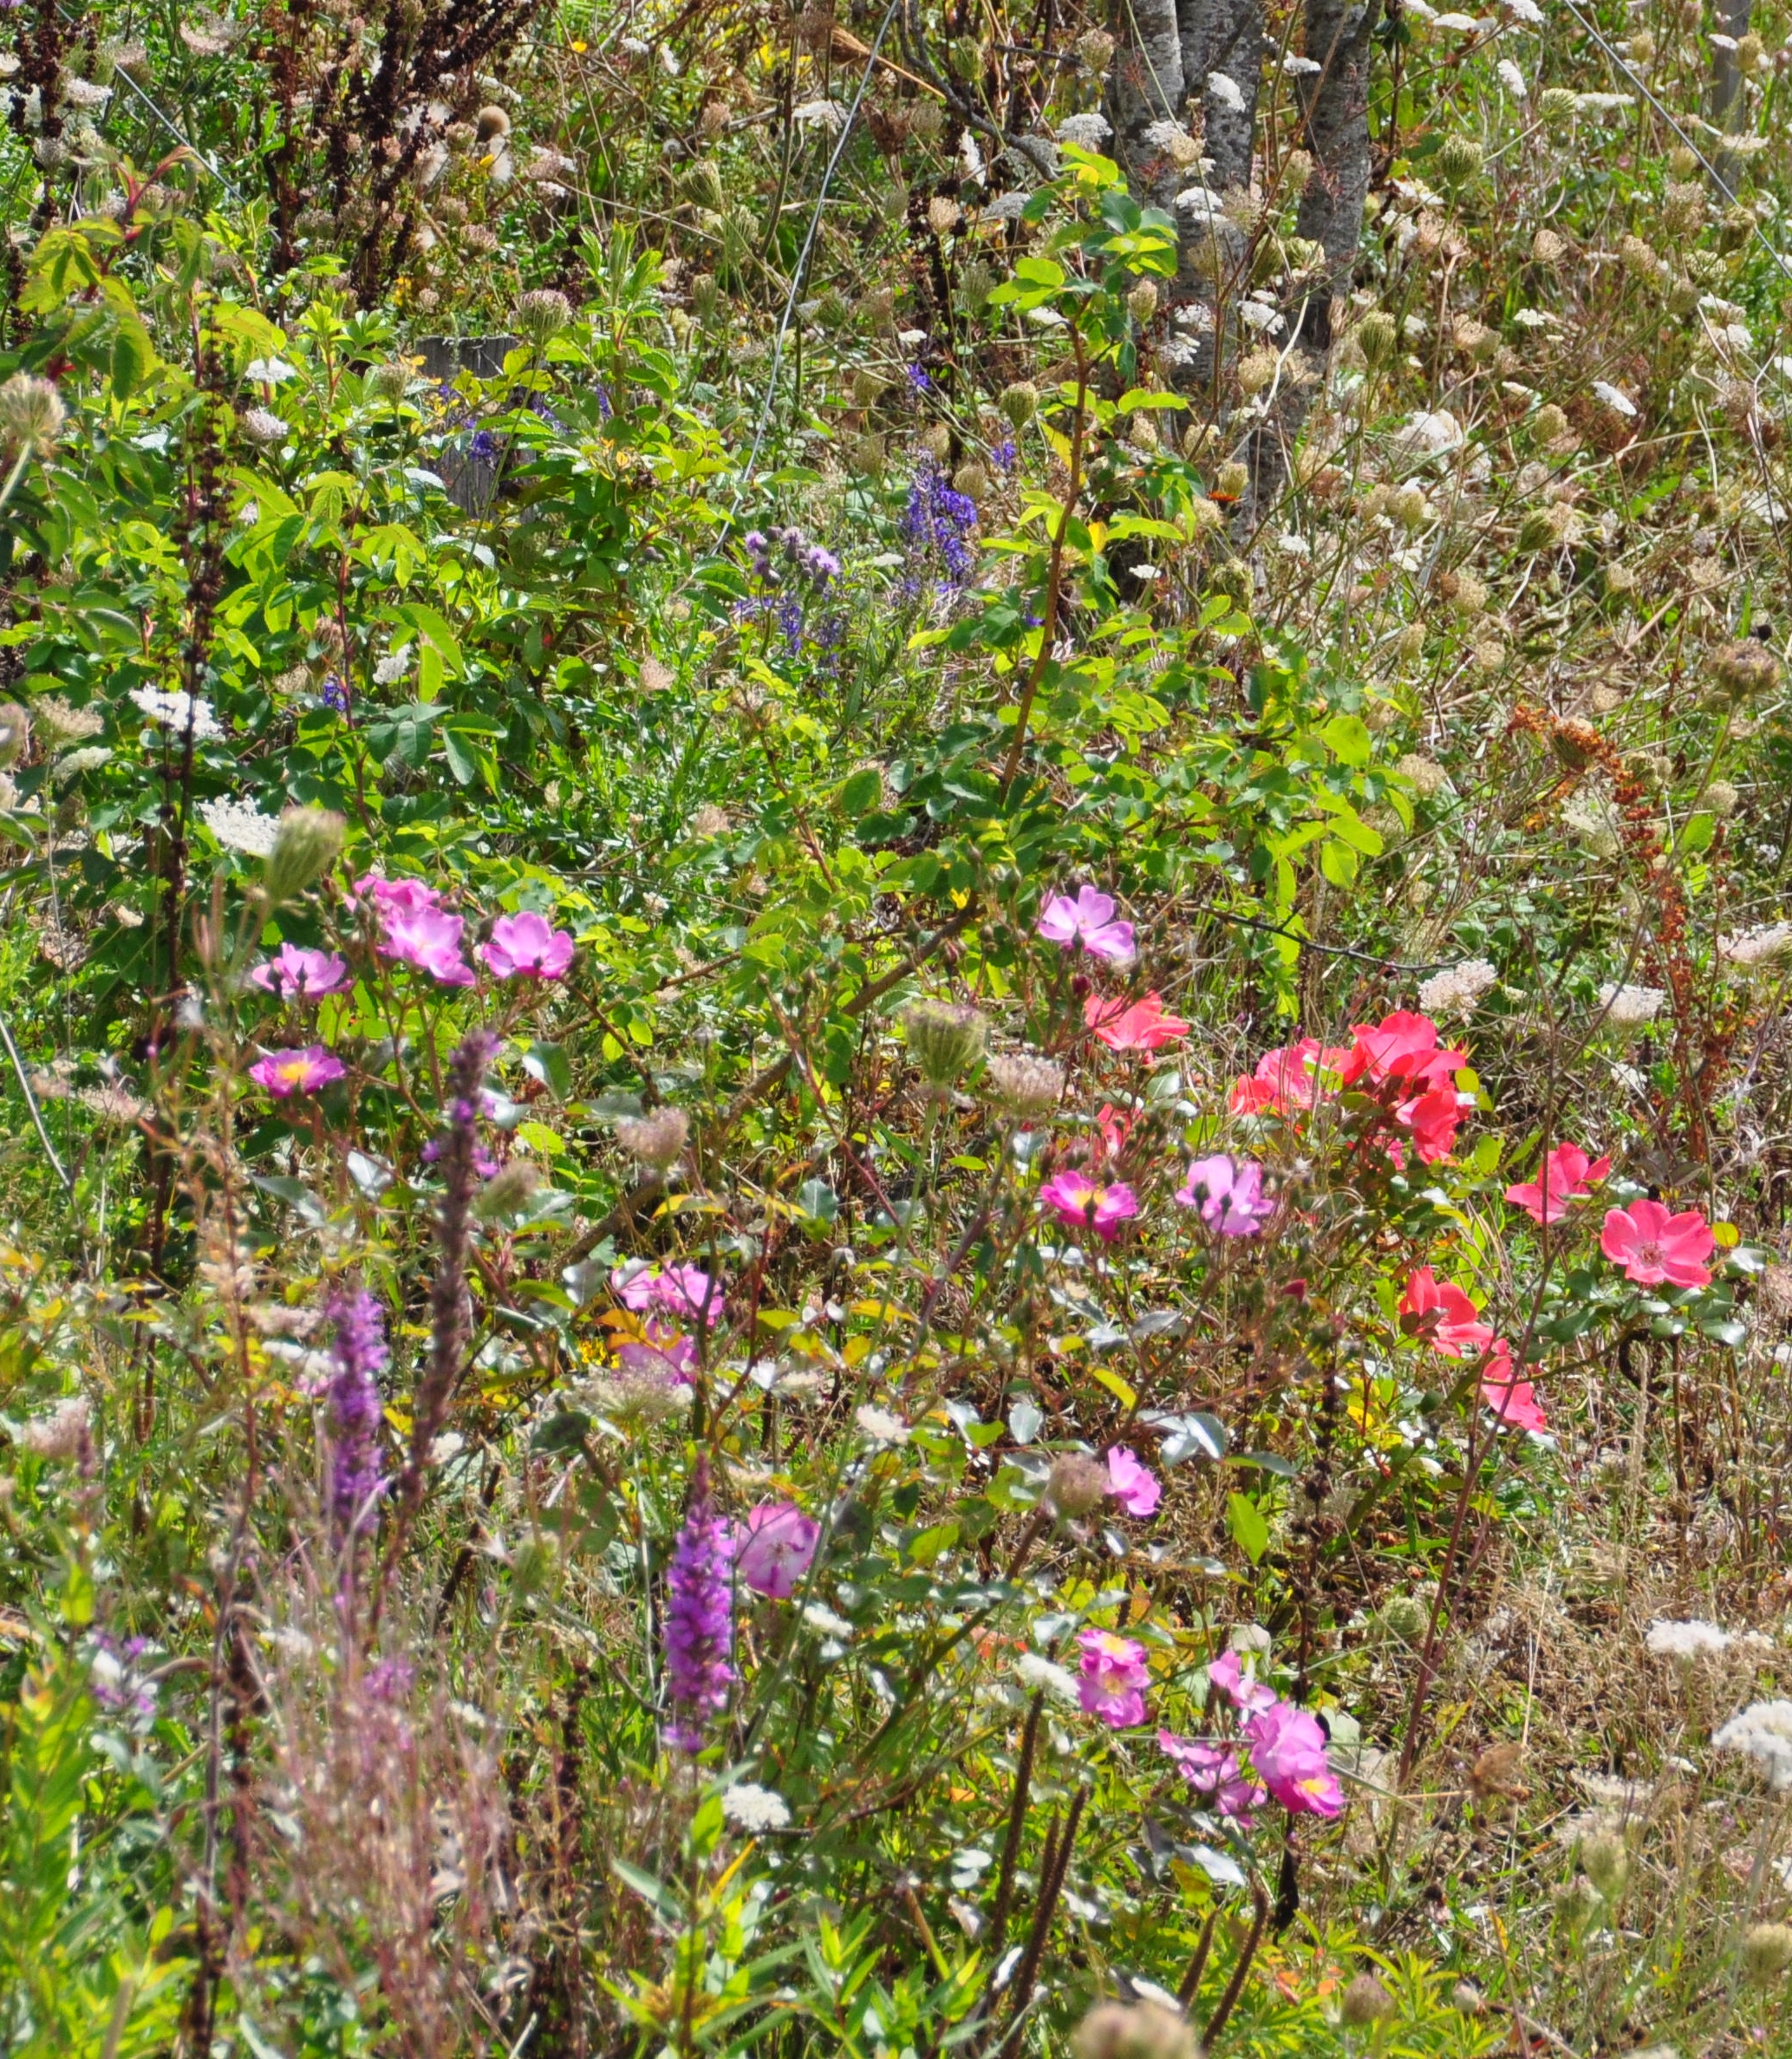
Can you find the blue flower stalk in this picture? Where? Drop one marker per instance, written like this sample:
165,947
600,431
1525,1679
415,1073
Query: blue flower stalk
355,1475
700,1620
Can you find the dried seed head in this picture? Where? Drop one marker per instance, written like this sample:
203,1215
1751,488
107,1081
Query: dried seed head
945,1039
1020,403
1549,248
1745,670
1378,337
306,844
1142,302
1410,644
386,383
1468,594
507,1190
972,481
1030,1086
543,314
30,414
938,442
1460,159
1410,508
867,387
15,732
1640,258
1550,423
1606,1861
1256,371
1234,477
1095,49
1578,1903
868,454
657,1140
491,124
1722,797
1767,1952
1557,103
1077,1485
1365,2001
943,216
1135,2030
66,1432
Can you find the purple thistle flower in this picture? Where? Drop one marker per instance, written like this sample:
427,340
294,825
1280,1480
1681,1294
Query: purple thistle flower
699,1619
356,1478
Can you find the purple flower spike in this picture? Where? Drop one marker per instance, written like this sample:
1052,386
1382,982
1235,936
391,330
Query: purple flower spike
356,1478
700,1620
1229,1193
1087,922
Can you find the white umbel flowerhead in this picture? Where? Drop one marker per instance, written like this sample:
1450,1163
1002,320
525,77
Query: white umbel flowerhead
1690,1639
239,825
755,1809
1759,946
1761,1732
1457,989
1085,131
1630,1007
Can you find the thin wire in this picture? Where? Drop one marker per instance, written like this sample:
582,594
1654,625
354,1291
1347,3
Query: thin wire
12,1051
1642,86
167,121
802,267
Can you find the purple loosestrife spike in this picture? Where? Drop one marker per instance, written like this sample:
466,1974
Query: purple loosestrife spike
355,1477
459,1163
700,1620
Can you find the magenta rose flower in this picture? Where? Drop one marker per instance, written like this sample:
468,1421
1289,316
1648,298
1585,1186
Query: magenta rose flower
297,974
1113,1679
1086,924
430,940
525,946
1132,1485
777,1550
305,1071
1214,1772
1289,1750
1080,1203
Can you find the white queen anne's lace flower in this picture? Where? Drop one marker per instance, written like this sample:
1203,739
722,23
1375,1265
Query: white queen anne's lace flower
1085,131
1629,1008
1762,1732
881,1426
1692,1639
239,826
1041,1674
755,1809
1226,91
179,711
1759,946
1458,989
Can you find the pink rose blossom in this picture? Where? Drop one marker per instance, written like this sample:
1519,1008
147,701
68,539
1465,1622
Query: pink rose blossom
431,941
1214,1772
1229,1193
1653,1246
1079,1203
682,1290
1131,1484
296,973
1113,1679
1287,1749
1146,1026
308,1071
398,896
1567,1174
667,1353
1227,1677
1288,1080
1089,922
778,1549
1513,1400
1443,1316
526,947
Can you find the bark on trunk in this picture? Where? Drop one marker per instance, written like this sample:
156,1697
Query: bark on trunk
1335,133
1728,104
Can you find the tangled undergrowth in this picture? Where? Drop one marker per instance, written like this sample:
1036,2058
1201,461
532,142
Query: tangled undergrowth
898,1115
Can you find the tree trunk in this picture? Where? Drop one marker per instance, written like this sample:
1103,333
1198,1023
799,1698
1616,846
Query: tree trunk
1335,133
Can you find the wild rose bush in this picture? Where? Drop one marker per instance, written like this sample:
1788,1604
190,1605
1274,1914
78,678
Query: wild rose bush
895,1032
